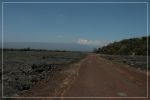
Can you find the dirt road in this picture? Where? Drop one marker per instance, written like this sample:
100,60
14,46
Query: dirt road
99,77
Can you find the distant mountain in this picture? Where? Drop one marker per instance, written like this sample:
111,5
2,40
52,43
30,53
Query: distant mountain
49,46
137,46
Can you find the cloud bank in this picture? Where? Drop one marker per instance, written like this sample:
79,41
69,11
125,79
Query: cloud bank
88,42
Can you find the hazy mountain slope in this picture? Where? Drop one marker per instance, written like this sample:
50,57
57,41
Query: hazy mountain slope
49,46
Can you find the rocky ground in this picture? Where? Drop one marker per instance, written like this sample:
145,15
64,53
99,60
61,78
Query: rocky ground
22,70
51,74
93,77
136,61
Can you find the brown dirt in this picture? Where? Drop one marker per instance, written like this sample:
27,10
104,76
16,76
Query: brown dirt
98,77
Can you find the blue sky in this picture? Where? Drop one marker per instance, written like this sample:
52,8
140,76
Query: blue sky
88,24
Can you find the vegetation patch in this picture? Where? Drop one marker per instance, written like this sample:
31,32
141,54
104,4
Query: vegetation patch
133,46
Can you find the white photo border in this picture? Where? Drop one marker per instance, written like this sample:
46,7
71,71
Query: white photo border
70,3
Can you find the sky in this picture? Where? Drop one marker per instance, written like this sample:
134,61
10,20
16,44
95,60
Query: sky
89,24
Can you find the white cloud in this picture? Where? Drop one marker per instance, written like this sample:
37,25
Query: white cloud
88,42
